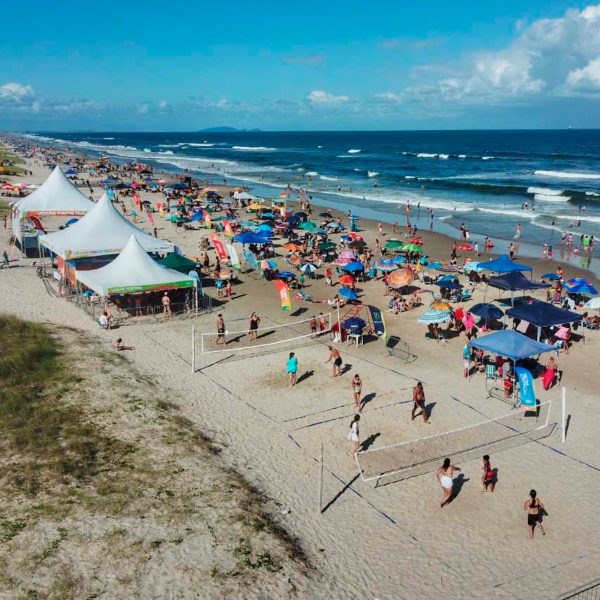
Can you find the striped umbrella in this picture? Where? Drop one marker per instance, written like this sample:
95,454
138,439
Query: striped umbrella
433,316
400,278
386,265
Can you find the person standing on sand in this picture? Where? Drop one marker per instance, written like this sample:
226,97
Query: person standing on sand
292,369
533,505
354,434
322,323
253,328
220,329
487,479
357,391
444,475
5,261
419,402
166,302
334,354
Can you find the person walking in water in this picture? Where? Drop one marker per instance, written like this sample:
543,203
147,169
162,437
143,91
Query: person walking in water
354,434
419,402
534,506
357,391
334,354
444,475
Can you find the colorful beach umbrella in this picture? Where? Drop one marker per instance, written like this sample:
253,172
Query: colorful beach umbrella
551,277
386,265
580,286
441,305
412,248
399,278
327,246
293,247
432,317
465,247
308,268
308,226
268,264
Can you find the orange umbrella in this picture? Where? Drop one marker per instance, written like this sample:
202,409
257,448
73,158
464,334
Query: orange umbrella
291,246
399,278
346,280
441,305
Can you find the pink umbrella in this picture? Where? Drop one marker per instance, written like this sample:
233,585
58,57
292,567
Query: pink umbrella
469,321
347,254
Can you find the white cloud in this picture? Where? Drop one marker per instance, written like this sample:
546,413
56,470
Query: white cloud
163,104
306,60
550,57
322,98
389,97
16,92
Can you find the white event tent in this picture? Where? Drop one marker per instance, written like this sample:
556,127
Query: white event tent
103,230
56,196
133,271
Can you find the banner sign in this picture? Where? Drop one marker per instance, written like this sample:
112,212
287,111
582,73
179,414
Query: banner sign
233,255
284,295
218,246
526,390
250,259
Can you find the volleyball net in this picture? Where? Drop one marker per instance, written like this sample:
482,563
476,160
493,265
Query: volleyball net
246,340
416,457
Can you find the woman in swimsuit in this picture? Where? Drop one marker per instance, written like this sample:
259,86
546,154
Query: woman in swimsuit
487,478
444,474
357,391
354,434
254,322
533,505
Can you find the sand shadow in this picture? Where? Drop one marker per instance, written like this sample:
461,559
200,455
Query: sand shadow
340,493
369,441
265,334
299,311
347,367
457,486
306,375
368,398
429,408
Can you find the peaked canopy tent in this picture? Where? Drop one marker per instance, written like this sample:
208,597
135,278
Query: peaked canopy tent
542,314
103,230
57,196
133,271
502,265
512,344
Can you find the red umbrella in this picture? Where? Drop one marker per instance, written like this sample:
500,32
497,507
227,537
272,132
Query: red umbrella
355,236
466,247
346,280
417,240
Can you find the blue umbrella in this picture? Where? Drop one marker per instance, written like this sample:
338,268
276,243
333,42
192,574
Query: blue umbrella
248,237
265,227
436,265
268,215
486,311
348,294
551,276
308,268
286,275
434,316
354,324
398,260
354,266
582,287
332,225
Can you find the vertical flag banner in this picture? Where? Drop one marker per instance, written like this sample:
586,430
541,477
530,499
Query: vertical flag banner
250,259
284,295
526,390
207,219
233,255
228,230
151,219
218,246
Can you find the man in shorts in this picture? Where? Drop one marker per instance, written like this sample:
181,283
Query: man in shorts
334,354
220,329
419,402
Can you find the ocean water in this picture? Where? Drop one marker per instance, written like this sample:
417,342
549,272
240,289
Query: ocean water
480,178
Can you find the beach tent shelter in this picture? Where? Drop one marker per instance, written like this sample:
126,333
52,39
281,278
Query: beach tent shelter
502,265
542,314
103,230
177,262
515,281
57,196
133,271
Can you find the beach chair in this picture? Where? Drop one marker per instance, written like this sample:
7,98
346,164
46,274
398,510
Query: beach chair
493,384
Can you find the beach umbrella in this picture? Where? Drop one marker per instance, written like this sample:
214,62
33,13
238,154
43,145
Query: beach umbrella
248,237
264,227
441,305
394,245
308,226
293,247
354,324
347,254
326,215
268,263
248,224
355,236
594,303
348,294
551,277
400,278
486,311
300,214
332,225
471,266
412,248
354,266
580,286
465,247
256,206
295,260
268,215
346,279
386,265
448,284
433,316
286,275
323,247
308,268
398,260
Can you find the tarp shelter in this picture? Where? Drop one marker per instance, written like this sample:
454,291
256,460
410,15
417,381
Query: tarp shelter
103,230
133,271
177,262
502,265
244,196
511,344
542,314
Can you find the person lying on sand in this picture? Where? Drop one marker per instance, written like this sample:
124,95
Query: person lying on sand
118,345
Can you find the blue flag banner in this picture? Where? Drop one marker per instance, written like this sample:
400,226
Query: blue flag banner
526,390
250,259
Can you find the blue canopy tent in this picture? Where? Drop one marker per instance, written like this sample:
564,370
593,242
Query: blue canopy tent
248,237
502,265
542,314
514,281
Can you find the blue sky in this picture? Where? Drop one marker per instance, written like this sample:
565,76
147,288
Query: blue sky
152,65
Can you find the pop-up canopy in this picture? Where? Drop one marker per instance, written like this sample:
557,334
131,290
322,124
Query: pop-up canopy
512,344
133,271
502,265
104,230
56,196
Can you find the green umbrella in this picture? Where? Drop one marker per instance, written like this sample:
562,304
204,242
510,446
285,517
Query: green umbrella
412,248
327,246
308,225
393,245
